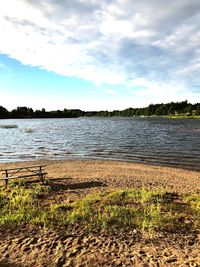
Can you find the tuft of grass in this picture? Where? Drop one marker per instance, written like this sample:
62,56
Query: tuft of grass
62,207
152,219
114,216
83,212
194,206
194,201
16,208
17,183
40,191
2,199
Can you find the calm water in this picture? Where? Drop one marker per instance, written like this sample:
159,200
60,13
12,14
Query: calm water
174,142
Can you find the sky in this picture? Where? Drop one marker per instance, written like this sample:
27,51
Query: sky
98,54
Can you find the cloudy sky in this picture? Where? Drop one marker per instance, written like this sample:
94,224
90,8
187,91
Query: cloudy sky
98,54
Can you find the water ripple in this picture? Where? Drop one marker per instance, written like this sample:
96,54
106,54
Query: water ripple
149,140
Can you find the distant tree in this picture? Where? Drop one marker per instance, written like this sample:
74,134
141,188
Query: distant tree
171,110
153,109
4,114
22,112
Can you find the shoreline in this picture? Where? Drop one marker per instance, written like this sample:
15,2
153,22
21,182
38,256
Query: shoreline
173,166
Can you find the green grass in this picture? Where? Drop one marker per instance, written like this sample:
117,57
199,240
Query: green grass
147,211
183,116
194,202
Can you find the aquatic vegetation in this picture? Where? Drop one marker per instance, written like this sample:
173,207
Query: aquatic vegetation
29,130
9,126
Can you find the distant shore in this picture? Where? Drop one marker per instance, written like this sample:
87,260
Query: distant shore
169,109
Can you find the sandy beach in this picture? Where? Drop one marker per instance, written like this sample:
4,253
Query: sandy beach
77,178
115,174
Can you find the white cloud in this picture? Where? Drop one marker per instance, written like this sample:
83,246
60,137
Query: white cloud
110,92
112,42
153,92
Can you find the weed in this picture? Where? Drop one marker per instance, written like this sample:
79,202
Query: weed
40,191
115,198
17,182
194,204
114,216
2,199
40,218
152,218
62,207
194,201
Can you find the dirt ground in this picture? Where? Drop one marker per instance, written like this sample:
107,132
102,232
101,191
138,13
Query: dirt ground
76,178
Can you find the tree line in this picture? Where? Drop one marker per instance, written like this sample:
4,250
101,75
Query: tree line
173,108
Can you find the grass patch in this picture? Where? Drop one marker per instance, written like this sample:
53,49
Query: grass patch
148,211
183,116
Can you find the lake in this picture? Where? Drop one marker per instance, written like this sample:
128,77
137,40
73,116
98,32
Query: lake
163,141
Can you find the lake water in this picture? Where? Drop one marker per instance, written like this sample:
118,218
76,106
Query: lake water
173,142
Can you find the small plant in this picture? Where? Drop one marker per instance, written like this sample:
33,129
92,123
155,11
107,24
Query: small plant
39,191
40,218
116,197
2,199
194,205
18,182
194,201
152,218
84,211
62,207
114,216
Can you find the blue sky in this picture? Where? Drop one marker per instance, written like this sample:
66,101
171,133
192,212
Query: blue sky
96,55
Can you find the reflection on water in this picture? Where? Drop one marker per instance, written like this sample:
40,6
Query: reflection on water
151,140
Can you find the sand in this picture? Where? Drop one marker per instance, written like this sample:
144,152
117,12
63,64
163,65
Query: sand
40,247
117,174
